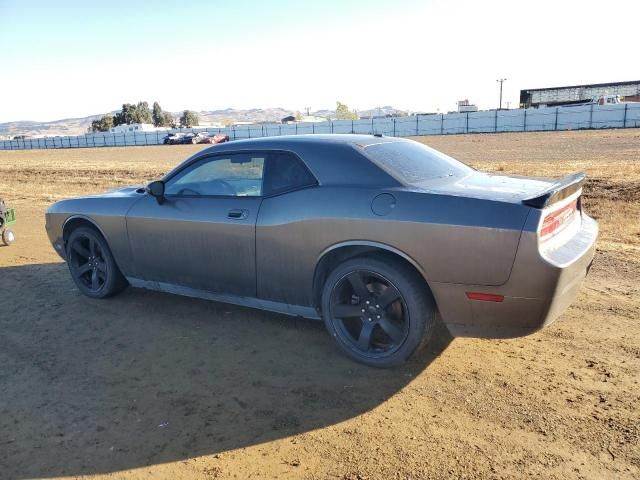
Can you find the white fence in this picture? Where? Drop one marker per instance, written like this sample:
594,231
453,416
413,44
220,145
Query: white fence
523,120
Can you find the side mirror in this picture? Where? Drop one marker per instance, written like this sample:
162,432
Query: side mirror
156,189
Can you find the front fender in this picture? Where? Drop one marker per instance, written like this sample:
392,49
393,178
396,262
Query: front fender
107,215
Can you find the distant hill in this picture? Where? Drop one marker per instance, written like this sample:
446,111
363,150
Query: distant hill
78,126
66,126
256,115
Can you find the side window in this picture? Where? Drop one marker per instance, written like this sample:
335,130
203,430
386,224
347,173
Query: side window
286,172
238,175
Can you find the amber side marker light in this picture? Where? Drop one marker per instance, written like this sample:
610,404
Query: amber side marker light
487,297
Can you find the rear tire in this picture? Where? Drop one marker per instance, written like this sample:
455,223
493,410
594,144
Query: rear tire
91,264
380,312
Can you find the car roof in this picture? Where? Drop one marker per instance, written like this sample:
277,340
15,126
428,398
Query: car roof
334,159
281,141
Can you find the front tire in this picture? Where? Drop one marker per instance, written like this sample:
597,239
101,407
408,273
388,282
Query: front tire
92,266
379,311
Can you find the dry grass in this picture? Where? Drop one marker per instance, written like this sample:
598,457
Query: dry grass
50,175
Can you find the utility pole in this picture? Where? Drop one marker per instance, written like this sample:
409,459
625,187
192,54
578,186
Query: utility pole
308,109
501,81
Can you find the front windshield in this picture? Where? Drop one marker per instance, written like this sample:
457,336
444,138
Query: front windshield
413,163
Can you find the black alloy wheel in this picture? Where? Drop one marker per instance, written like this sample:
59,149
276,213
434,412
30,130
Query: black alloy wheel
91,264
87,263
379,311
369,313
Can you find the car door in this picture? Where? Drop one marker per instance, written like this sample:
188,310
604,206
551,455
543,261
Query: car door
203,235
282,242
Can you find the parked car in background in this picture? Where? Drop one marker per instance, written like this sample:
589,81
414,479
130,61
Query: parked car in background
189,138
173,139
374,235
199,137
215,139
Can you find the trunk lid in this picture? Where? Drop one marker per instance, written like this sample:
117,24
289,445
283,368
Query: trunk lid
531,191
485,186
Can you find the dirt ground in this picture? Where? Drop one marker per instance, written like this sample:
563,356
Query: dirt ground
150,385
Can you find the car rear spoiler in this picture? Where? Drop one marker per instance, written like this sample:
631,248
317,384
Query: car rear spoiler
560,190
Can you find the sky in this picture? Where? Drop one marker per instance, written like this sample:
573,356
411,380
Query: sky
68,59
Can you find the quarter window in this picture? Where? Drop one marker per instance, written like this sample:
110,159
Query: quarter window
238,175
286,172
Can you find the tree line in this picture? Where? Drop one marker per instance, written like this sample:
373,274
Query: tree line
343,112
140,113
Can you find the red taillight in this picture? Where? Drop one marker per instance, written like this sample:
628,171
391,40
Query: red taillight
487,297
556,221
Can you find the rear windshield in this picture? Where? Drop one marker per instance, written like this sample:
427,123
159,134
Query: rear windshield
413,163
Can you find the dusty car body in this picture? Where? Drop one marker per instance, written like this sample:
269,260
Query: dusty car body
493,255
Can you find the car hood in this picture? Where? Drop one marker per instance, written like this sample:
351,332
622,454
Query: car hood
88,204
501,188
120,192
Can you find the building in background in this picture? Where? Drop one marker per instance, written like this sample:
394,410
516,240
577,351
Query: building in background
133,127
311,119
466,106
290,119
578,94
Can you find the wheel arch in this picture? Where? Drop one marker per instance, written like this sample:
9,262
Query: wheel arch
116,281
75,221
340,252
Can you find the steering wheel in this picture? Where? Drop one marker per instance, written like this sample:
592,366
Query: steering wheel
224,187
217,186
